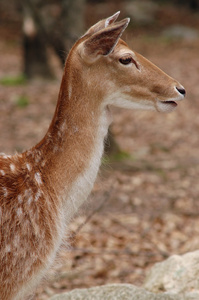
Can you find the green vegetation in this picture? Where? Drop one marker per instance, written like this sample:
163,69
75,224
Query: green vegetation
22,101
121,156
13,80
116,157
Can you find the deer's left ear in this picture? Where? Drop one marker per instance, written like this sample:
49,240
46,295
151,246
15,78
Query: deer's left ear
103,42
103,23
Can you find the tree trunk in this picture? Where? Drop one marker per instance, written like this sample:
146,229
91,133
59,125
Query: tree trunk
72,20
56,24
35,50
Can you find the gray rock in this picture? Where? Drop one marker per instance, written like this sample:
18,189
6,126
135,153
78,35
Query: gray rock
141,12
178,274
176,278
117,292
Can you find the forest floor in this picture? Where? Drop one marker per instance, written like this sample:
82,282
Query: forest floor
144,207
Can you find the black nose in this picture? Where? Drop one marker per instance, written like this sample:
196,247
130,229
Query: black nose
181,91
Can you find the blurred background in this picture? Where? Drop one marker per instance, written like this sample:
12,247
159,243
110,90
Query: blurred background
145,204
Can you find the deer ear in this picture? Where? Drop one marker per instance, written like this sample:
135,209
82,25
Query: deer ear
103,24
103,42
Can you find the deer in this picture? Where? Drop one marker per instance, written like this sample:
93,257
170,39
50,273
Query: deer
42,188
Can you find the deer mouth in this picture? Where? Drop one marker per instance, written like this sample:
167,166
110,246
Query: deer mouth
166,106
173,103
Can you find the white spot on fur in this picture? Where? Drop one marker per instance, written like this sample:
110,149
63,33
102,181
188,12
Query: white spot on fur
63,127
43,163
28,195
37,195
5,155
8,248
37,158
20,199
30,199
38,178
59,133
5,191
12,167
19,211
2,172
29,167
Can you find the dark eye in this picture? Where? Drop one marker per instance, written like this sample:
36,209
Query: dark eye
128,60
125,61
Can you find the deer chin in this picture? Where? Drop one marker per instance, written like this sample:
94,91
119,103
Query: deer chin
166,106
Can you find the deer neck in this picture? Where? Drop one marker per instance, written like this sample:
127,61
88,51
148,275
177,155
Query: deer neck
70,153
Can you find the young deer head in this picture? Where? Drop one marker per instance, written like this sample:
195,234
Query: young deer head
42,188
126,79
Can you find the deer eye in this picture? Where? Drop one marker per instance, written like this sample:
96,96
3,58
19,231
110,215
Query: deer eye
125,61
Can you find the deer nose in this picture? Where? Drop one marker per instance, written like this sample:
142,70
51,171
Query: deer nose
181,90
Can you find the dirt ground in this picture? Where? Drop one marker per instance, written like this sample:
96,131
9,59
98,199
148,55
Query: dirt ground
146,206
